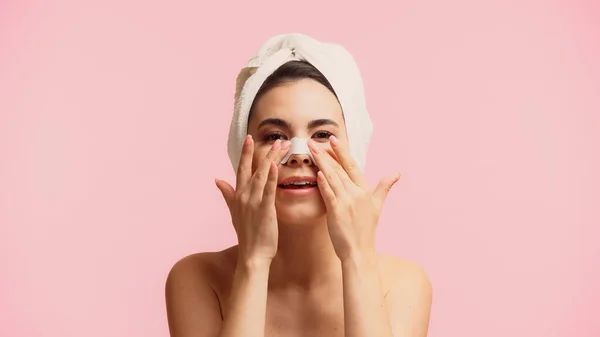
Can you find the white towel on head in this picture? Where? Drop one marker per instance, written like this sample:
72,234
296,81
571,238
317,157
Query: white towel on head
336,64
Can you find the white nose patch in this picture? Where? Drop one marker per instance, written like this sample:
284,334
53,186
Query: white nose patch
299,146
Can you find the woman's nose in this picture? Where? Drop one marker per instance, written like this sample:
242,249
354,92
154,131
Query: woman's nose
299,159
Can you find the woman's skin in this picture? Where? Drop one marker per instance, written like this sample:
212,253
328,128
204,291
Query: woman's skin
305,265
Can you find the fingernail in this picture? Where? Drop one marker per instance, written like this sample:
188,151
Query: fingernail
248,139
286,145
276,144
333,140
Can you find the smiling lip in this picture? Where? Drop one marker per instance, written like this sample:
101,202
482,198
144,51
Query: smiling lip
294,179
298,191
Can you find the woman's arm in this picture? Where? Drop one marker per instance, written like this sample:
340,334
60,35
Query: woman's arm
252,207
365,312
404,309
352,216
247,301
408,297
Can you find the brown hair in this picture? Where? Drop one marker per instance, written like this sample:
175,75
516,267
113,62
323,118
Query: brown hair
290,72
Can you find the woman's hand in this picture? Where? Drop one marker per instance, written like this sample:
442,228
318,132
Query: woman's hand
352,209
252,203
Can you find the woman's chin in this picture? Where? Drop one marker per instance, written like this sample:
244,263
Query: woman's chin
304,212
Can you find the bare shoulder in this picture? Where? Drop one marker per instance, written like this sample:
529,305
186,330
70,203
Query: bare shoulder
192,293
408,295
399,272
206,266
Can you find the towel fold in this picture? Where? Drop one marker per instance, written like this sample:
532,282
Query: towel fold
336,64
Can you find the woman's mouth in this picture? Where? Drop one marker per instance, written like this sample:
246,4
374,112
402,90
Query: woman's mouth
299,185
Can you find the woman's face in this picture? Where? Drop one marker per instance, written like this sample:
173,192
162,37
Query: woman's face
304,109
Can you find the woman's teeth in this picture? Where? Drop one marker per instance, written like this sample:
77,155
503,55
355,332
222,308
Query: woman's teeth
299,184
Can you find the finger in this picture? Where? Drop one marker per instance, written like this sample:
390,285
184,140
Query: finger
285,146
271,185
227,191
348,163
326,191
276,156
326,166
262,172
384,187
334,162
245,166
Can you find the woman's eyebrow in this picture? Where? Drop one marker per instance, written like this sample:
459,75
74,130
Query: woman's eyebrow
321,122
311,125
274,121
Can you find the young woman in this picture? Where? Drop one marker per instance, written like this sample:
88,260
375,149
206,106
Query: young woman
306,263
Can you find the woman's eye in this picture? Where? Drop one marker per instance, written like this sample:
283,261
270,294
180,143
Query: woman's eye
271,137
323,134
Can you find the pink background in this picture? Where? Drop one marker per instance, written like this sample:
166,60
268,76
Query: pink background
113,124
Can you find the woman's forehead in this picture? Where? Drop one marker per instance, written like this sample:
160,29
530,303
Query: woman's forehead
298,102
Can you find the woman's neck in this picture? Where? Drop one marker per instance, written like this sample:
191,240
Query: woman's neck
305,258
